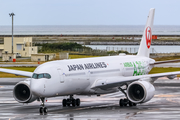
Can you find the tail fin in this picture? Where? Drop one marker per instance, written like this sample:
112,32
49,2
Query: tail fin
144,48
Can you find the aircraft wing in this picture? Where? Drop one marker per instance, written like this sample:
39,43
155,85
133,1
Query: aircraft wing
168,61
166,74
17,72
112,82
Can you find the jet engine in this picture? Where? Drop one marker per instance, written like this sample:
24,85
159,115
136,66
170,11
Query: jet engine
22,92
140,91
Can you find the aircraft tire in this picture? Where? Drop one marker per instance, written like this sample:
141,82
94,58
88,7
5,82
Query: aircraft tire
125,102
45,110
130,103
73,102
134,104
78,102
121,102
68,102
64,102
41,110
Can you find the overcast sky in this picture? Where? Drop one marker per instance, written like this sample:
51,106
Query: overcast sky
89,12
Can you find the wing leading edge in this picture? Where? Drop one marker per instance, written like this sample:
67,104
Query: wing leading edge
17,72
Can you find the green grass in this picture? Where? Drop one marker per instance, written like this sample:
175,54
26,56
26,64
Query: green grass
81,56
29,69
162,70
167,58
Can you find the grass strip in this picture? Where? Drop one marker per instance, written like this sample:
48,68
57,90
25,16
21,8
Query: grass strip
81,56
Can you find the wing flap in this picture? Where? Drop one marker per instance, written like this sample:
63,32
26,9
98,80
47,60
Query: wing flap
17,72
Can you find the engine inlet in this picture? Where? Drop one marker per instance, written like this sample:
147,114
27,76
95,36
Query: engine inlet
136,92
22,92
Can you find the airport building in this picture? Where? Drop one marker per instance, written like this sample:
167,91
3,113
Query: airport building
43,57
22,46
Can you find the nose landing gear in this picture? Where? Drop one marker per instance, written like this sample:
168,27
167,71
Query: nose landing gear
42,108
71,101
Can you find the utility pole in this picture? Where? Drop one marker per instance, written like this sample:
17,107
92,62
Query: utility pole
12,14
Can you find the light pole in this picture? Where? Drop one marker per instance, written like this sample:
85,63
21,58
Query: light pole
12,14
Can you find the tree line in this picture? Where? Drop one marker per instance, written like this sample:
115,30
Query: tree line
56,47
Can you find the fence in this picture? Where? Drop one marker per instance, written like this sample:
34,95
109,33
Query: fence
108,51
128,49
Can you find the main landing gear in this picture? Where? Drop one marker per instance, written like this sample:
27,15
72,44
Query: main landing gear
42,108
125,102
71,101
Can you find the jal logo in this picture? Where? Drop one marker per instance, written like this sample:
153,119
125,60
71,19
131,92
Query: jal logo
148,36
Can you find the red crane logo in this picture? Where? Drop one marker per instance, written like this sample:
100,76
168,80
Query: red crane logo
148,36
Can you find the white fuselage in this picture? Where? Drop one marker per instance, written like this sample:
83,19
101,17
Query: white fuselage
78,75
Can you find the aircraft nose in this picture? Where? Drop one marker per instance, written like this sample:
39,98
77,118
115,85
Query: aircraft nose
37,88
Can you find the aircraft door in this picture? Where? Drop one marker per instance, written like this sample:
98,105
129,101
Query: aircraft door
122,69
88,74
61,75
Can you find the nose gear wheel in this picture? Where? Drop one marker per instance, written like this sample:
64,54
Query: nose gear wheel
43,109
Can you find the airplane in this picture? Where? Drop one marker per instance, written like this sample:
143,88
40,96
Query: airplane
94,76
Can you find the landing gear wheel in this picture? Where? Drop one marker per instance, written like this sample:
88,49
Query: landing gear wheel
125,102
121,102
41,110
45,110
64,102
134,104
130,103
78,102
73,102
68,102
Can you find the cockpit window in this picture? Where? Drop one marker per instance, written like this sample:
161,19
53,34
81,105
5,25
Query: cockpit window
42,75
35,76
47,75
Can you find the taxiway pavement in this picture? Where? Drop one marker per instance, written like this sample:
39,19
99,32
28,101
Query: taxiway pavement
165,105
